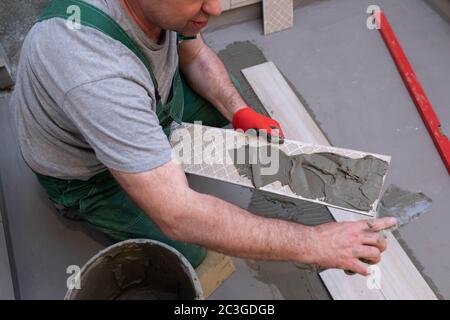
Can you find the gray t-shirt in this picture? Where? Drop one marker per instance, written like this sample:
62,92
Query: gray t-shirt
84,102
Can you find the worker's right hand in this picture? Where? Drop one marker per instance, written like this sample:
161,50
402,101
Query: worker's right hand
346,245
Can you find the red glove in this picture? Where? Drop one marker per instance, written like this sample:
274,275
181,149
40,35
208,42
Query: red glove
246,119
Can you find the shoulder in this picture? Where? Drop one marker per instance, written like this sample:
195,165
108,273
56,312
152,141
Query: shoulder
70,57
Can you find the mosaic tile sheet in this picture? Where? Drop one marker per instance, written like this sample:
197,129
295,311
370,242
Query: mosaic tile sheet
278,15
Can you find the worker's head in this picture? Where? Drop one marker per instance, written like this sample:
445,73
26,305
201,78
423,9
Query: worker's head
186,17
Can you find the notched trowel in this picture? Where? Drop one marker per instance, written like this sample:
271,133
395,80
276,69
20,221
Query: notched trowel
403,205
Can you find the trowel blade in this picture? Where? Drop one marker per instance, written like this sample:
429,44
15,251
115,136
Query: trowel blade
403,205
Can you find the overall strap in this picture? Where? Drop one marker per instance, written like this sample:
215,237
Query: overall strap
93,17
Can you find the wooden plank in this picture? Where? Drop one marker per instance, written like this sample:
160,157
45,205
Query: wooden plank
398,277
213,271
288,101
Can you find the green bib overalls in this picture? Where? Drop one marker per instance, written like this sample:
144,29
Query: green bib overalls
100,201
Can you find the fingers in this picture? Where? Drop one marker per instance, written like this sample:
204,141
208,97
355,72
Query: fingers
377,225
375,239
278,131
373,243
364,256
357,266
368,254
349,273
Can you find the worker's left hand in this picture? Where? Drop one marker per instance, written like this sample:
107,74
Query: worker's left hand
246,119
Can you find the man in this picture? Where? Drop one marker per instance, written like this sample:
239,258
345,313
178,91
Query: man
94,106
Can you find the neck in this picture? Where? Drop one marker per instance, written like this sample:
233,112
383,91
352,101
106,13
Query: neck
134,10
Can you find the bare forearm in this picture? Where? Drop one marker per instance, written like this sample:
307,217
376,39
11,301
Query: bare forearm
185,215
188,216
207,76
223,227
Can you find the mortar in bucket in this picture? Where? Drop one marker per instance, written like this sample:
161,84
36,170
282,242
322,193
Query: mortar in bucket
137,269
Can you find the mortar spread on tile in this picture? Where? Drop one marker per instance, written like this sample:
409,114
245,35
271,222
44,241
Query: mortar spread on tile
328,177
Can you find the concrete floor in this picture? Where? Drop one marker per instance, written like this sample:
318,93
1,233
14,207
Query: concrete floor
347,77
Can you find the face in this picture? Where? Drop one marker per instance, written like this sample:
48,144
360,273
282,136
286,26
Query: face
187,17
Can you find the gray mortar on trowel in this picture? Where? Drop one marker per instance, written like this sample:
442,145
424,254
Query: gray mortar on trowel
403,205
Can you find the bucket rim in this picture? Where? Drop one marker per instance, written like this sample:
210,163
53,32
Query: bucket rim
195,280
